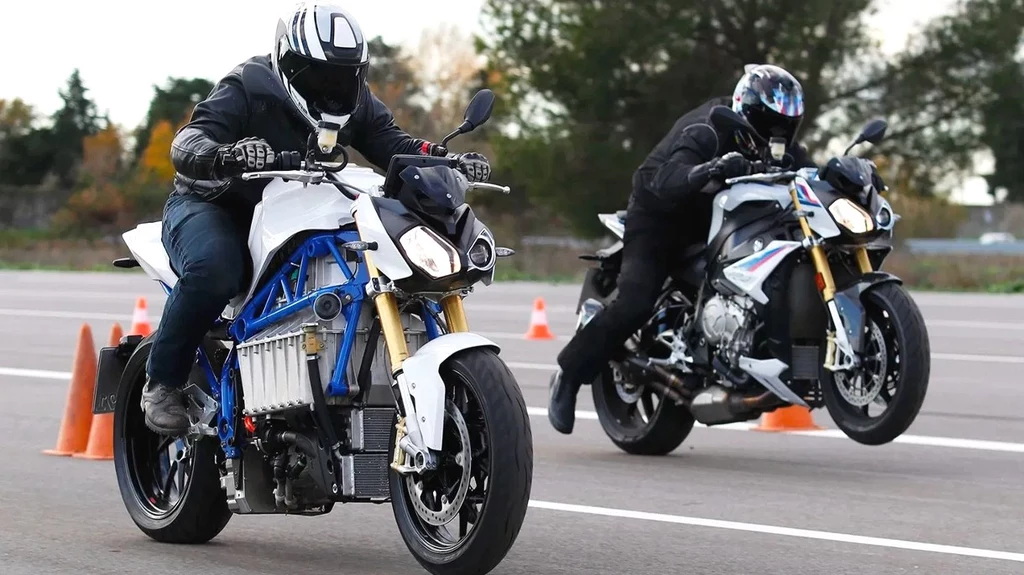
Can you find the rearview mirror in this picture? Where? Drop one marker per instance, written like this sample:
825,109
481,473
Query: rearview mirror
477,113
874,131
479,109
725,117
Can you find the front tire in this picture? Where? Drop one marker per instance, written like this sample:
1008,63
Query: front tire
631,420
895,320
485,405
171,492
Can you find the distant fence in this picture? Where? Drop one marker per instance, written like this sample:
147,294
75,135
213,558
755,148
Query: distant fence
964,246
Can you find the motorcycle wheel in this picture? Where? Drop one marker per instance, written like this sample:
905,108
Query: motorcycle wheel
631,420
171,491
462,518
897,363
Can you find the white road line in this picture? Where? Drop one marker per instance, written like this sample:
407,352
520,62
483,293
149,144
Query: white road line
34,373
776,530
926,440
949,442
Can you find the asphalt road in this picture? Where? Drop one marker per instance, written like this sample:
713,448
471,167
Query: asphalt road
948,498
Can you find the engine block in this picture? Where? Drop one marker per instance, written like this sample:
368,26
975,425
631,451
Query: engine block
272,364
721,319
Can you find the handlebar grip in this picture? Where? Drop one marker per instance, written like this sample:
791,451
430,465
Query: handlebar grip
286,161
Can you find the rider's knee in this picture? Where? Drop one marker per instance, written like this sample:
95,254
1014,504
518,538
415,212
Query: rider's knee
218,279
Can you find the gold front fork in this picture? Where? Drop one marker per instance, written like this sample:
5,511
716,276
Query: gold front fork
454,313
826,283
824,280
863,261
394,340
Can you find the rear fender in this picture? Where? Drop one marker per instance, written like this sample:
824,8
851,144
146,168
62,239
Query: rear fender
423,383
850,304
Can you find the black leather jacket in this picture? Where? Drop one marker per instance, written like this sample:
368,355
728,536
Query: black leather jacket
663,183
251,102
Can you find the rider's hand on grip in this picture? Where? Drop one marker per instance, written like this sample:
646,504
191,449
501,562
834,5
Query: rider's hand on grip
247,155
732,165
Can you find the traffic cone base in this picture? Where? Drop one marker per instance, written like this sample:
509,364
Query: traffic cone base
75,426
101,434
793,418
539,322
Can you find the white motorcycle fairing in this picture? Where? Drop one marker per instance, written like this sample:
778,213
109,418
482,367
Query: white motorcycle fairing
289,208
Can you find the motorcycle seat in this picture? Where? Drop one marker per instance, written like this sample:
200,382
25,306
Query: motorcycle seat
621,214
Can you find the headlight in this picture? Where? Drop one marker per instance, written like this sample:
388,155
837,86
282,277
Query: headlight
850,216
430,252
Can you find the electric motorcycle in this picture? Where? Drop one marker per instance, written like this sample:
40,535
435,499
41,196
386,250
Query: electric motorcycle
296,401
784,306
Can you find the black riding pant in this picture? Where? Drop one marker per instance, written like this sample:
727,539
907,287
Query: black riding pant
206,243
651,243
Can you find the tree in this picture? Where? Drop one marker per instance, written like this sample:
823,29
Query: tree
156,158
171,103
392,79
591,87
72,123
952,92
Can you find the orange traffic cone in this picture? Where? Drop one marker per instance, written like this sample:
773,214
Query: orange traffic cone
539,322
101,435
793,418
74,428
140,319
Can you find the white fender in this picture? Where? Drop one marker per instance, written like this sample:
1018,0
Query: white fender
423,377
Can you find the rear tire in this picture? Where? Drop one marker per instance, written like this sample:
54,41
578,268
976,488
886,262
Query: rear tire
493,412
908,365
194,509
659,433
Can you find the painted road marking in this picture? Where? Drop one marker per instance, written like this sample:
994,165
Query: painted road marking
929,441
777,530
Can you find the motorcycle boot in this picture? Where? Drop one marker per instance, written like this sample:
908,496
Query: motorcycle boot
562,403
164,407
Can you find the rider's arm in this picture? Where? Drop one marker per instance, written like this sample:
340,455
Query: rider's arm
378,138
686,170
217,122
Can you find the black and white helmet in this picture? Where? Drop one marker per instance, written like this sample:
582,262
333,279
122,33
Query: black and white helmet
321,57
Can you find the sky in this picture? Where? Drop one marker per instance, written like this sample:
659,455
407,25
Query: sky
125,47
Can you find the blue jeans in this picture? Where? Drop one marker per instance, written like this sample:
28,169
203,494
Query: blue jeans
206,243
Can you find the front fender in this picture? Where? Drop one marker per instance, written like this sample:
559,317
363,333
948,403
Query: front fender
850,305
423,375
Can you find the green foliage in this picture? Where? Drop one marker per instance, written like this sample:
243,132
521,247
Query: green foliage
614,76
171,103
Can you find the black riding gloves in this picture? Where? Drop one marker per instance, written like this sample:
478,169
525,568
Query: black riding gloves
247,155
475,166
731,165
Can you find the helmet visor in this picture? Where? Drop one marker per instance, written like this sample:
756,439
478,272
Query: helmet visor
329,88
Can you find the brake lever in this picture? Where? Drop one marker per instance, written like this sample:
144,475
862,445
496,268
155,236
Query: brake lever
492,187
296,176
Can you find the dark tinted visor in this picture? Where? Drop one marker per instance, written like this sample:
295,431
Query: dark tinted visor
329,88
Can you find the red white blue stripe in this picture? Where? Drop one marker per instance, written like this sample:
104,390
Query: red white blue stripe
757,260
806,196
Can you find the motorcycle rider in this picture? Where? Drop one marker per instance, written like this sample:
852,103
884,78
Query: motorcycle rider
268,104
670,207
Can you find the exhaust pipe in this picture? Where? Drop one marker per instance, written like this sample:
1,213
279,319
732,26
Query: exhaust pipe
716,405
